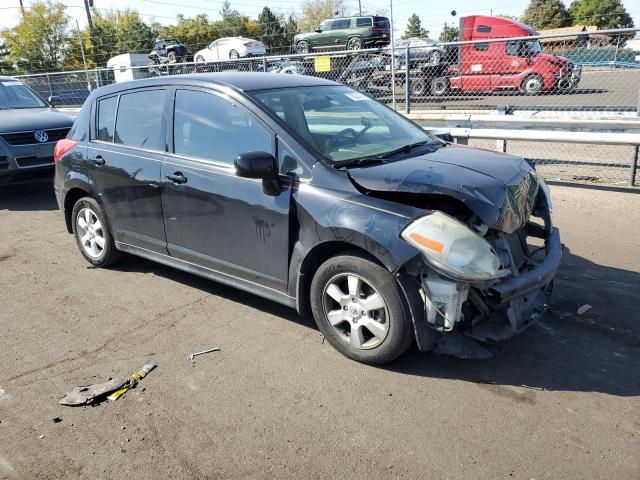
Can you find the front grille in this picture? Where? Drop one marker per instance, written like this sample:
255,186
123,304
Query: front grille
28,138
25,162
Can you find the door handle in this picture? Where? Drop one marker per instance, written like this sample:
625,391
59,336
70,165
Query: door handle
98,161
177,177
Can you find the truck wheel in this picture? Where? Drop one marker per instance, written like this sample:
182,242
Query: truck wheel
417,87
92,233
360,309
439,86
171,57
199,59
532,85
435,57
303,47
354,43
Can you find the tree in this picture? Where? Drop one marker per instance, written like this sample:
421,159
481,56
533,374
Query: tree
290,30
39,40
414,28
6,67
315,11
604,14
233,24
272,32
543,14
117,32
449,33
196,33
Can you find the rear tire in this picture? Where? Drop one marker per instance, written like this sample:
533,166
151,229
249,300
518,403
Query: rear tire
354,43
370,321
172,57
418,87
93,234
439,86
303,47
199,59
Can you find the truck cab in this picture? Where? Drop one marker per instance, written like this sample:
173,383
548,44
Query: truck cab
513,64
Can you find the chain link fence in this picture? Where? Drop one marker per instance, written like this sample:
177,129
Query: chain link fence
587,75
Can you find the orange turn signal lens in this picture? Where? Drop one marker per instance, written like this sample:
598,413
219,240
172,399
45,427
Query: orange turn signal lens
427,242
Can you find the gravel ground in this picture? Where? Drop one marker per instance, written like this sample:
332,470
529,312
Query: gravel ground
559,401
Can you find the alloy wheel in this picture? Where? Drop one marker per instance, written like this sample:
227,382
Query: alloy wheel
356,311
90,233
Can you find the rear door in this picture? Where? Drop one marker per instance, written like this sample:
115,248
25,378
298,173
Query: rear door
340,30
125,162
212,217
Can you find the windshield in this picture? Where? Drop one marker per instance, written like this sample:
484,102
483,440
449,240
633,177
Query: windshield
340,123
14,94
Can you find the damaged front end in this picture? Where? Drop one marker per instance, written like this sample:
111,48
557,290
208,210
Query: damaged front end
475,282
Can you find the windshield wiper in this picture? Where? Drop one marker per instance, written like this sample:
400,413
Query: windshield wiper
403,149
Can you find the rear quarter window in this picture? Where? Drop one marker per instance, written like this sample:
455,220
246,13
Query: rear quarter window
364,22
381,22
106,118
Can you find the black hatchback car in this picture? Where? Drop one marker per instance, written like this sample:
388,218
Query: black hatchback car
313,195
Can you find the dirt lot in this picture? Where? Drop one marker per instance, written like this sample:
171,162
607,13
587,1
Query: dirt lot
559,401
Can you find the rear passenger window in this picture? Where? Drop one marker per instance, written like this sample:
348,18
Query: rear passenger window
210,127
337,24
106,118
139,120
364,22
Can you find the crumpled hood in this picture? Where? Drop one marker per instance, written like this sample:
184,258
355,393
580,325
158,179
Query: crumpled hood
20,120
500,189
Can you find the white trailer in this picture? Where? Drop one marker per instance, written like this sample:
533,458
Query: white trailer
128,66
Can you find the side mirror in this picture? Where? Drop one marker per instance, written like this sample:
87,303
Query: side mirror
54,100
441,134
318,30
256,165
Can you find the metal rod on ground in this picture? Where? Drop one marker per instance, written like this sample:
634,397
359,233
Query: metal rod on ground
393,58
407,80
634,167
84,60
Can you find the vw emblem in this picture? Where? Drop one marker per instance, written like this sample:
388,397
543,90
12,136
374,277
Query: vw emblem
41,136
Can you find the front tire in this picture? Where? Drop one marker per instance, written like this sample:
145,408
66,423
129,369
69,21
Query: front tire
439,86
92,233
532,85
172,57
435,57
360,309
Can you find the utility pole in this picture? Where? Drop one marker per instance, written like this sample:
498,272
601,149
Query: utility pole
87,4
359,7
21,8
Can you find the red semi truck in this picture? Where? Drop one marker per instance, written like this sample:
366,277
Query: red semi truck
508,65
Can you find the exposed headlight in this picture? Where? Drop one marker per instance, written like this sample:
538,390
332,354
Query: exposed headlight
545,190
453,248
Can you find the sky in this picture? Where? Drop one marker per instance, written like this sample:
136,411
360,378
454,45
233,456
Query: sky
433,14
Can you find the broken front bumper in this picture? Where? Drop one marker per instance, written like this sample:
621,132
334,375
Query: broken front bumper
484,313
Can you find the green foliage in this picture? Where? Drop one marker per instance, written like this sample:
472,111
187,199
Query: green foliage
196,33
605,14
6,66
39,41
233,24
414,28
271,30
450,33
315,11
544,14
117,32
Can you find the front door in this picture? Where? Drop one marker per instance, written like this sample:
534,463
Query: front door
212,217
125,164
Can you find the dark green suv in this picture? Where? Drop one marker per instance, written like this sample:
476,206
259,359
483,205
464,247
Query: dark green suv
351,33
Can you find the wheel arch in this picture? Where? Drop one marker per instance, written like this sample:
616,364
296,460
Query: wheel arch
72,195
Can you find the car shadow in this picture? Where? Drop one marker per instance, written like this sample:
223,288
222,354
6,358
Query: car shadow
28,197
598,351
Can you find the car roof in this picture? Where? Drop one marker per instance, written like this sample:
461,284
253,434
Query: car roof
242,81
4,78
